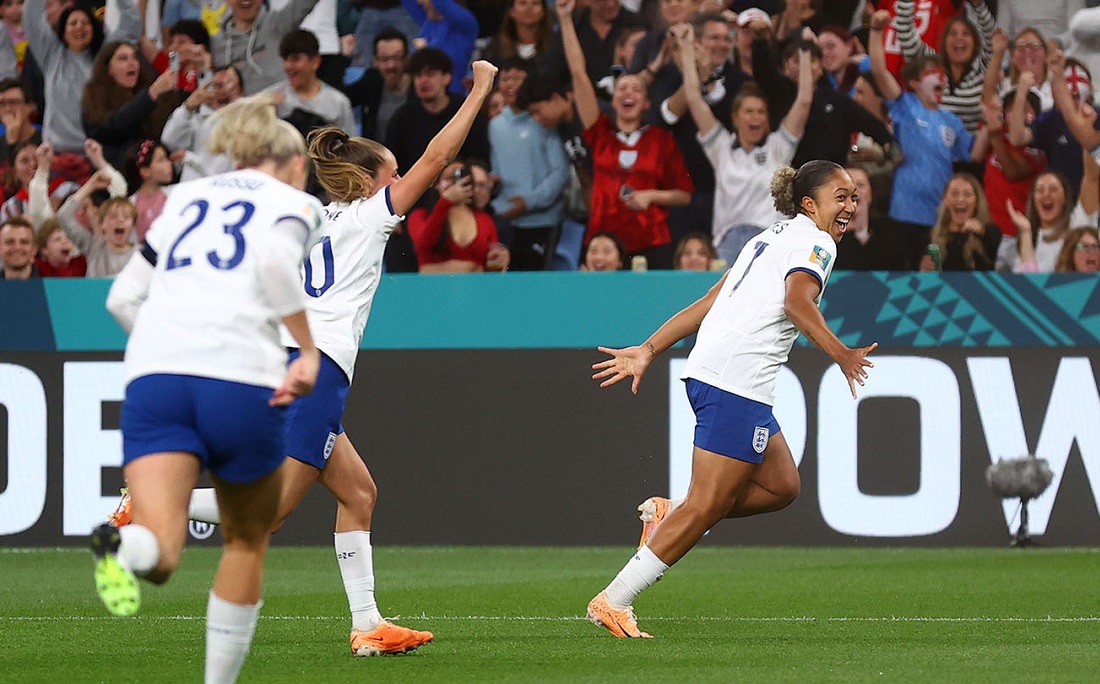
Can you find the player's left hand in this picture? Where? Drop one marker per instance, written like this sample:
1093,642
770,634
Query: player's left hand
854,364
300,378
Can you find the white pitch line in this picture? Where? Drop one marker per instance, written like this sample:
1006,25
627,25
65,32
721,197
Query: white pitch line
577,618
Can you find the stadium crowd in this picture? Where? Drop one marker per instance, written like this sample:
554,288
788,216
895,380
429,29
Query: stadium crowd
621,133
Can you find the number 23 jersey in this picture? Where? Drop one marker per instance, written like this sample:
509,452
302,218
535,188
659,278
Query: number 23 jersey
746,336
206,312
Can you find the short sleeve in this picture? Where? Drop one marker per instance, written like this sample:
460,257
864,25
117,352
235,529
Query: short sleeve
376,212
815,257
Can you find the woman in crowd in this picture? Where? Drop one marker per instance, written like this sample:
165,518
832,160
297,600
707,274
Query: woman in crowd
966,237
526,31
1081,252
121,106
604,252
638,171
838,48
1041,231
695,253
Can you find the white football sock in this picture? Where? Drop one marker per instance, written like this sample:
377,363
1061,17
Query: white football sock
139,550
640,572
229,630
204,507
353,553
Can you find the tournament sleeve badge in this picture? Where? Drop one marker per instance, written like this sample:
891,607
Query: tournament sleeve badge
820,257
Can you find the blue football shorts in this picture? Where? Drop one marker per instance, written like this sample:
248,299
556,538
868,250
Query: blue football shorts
729,424
227,425
313,421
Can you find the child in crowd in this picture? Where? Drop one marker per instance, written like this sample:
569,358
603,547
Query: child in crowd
154,171
604,252
57,256
109,248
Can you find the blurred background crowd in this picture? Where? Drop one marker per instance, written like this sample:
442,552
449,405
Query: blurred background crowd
622,133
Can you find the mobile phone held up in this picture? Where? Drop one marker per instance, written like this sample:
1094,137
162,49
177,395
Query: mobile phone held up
187,81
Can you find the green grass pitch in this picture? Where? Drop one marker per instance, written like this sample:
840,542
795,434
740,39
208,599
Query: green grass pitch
515,614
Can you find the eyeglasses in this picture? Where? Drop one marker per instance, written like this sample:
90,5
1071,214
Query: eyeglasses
1088,247
1029,46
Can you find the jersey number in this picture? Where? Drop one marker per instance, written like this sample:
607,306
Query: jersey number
760,247
223,263
330,270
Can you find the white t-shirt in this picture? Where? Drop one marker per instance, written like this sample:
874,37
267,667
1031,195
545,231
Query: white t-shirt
207,312
746,336
743,178
342,274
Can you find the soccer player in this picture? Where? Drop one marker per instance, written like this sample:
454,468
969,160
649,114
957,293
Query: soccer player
746,324
207,376
341,277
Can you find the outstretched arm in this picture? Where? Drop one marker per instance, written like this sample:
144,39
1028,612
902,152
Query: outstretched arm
445,145
801,307
795,121
633,361
704,118
885,80
584,94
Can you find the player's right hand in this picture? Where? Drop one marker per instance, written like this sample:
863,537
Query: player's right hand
300,378
484,74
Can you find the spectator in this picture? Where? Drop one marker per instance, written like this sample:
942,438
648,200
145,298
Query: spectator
111,246
1084,38
1009,169
448,26
385,86
17,250
652,57
1029,54
696,253
494,104
376,16
625,48
1050,209
965,48
533,171
745,161
1052,17
604,252
638,172
415,123
834,117
454,236
877,160
967,238
322,22
45,196
28,159
742,53
153,171
305,100
189,40
871,240
796,15
17,117
841,55
599,27
57,256
190,126
121,106
525,32
720,82
32,72
66,59
11,11
933,15
248,38
1081,252
931,137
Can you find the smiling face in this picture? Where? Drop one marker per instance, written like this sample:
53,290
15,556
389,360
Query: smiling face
78,31
750,121
510,81
630,100
715,42
1029,53
834,204
695,257
124,68
16,246
1049,199
602,255
245,11
960,45
835,53
301,70
25,165
1086,254
961,200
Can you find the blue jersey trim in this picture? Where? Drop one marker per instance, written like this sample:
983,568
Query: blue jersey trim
149,253
812,272
389,202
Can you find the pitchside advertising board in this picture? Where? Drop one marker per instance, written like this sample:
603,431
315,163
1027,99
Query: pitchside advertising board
472,444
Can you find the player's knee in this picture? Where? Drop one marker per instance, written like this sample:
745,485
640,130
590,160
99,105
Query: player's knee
788,490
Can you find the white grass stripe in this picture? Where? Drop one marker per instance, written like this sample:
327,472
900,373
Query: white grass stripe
577,618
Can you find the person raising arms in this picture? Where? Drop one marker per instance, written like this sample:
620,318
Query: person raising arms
746,325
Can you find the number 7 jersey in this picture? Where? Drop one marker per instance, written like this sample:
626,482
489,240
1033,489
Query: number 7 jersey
207,313
746,336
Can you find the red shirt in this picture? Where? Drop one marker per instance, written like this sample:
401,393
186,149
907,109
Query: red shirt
425,229
998,188
76,268
653,161
929,17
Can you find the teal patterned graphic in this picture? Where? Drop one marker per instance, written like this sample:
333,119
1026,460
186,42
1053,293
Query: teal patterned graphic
964,309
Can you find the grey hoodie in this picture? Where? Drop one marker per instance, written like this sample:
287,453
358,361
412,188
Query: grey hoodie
255,52
66,72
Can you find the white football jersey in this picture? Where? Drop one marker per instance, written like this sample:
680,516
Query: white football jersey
342,273
206,313
746,336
